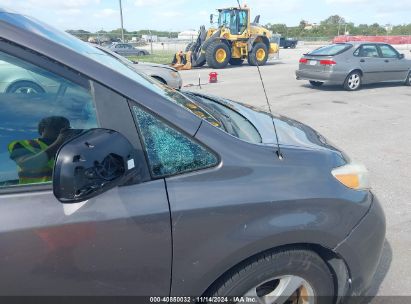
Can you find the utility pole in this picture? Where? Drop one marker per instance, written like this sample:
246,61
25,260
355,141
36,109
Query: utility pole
121,17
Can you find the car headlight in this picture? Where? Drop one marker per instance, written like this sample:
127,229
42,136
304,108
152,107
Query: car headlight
353,175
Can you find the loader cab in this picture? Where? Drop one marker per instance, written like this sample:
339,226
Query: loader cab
237,20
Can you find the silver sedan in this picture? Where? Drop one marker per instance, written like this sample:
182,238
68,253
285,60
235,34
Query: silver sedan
354,64
160,72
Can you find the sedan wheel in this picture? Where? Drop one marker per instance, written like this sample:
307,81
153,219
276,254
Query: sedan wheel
353,81
284,289
294,276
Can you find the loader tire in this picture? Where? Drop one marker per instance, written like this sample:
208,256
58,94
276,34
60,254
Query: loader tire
258,55
218,55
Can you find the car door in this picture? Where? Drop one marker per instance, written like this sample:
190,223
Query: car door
394,67
118,243
120,49
371,63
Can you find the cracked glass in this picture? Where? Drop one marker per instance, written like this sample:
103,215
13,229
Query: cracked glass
170,152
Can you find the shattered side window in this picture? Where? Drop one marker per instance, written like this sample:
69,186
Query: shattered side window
170,152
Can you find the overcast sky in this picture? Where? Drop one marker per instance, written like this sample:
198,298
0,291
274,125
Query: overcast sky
180,15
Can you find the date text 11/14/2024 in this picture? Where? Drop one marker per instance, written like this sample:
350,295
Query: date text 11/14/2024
203,300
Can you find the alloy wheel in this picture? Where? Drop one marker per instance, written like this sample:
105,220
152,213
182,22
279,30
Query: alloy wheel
354,81
288,289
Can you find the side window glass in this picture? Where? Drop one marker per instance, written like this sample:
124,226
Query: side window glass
243,20
39,112
369,51
388,52
170,152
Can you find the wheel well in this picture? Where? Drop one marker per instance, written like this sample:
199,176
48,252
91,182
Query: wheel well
331,259
357,70
263,39
24,81
159,79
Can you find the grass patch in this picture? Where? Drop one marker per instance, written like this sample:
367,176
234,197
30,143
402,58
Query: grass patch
161,57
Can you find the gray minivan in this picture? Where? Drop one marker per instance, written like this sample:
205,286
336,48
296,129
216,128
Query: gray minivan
117,185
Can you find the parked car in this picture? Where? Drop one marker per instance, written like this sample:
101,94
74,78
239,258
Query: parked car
126,49
155,192
288,43
15,79
161,72
354,64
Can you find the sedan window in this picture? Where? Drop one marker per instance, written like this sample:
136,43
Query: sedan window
388,52
369,51
331,50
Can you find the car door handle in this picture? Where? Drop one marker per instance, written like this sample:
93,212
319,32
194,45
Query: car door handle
362,60
386,60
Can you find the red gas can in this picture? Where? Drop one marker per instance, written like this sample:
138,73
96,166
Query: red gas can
213,77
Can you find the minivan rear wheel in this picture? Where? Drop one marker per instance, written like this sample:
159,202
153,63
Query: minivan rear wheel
286,276
316,83
353,81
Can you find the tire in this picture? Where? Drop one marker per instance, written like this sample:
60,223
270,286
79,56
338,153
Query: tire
236,61
316,83
218,55
141,54
25,87
408,81
268,272
353,81
293,46
255,52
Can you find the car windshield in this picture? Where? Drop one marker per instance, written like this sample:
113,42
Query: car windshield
231,121
330,50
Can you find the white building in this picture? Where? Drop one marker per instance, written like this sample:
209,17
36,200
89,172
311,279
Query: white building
188,35
150,38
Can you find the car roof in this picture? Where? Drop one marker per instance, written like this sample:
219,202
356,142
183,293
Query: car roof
32,34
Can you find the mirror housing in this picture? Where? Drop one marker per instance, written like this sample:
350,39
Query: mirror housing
401,56
212,19
92,163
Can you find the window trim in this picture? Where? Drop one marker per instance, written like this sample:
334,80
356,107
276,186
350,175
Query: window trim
175,128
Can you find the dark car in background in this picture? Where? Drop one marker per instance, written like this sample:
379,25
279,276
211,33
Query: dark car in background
288,43
116,185
354,64
126,49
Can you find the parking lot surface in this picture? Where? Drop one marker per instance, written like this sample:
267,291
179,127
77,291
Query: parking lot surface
371,125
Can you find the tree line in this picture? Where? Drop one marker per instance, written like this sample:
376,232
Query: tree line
334,25
329,28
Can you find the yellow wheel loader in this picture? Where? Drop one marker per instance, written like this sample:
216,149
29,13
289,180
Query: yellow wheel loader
234,40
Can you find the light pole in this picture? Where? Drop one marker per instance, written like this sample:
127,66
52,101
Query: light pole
121,17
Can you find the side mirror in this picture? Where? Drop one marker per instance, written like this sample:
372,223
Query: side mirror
401,56
211,19
92,163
